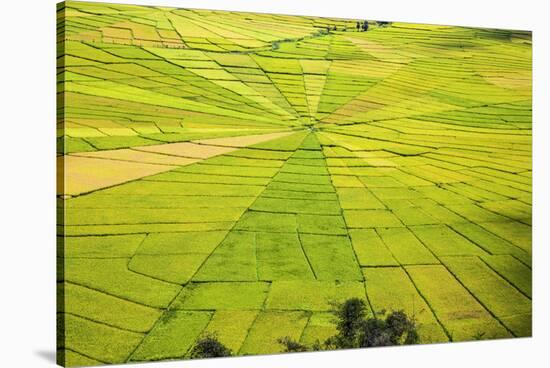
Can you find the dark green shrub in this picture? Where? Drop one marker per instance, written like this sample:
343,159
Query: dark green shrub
292,346
209,347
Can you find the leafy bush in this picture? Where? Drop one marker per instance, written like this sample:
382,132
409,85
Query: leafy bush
355,330
209,347
292,346
396,329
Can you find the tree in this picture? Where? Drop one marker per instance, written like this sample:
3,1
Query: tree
374,332
209,347
350,316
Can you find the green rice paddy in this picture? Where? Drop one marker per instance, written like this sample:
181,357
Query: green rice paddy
404,180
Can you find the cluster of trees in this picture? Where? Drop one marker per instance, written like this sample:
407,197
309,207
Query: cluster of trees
362,26
354,330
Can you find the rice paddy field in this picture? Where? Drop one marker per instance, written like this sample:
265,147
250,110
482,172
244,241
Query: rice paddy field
238,173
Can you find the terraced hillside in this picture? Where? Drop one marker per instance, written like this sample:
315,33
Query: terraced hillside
237,173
